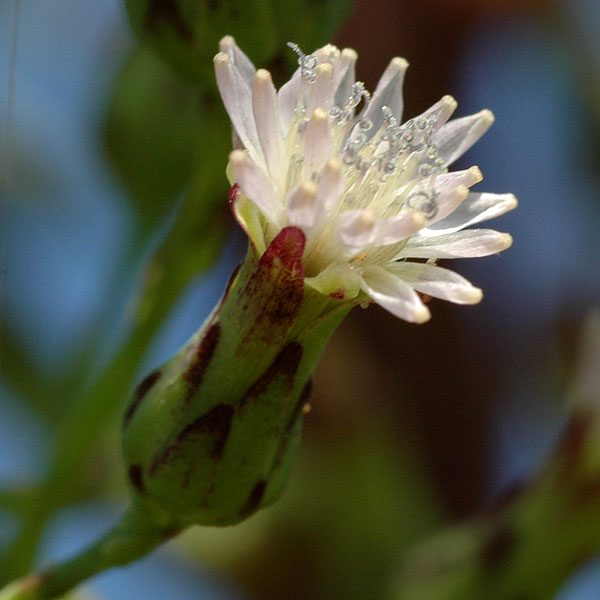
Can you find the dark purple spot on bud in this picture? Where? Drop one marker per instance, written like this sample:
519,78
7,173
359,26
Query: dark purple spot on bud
200,361
273,295
136,478
138,395
254,499
285,365
215,424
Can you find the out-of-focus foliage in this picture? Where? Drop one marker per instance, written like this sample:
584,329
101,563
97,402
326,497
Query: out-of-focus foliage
152,130
527,543
186,33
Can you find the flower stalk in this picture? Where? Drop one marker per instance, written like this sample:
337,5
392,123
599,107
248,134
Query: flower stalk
135,536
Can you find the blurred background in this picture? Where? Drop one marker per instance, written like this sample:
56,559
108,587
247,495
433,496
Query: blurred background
109,144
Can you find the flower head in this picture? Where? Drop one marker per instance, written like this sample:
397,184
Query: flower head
369,192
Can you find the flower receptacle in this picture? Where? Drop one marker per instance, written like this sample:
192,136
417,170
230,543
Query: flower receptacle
209,436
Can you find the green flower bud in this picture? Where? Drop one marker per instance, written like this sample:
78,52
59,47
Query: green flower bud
209,436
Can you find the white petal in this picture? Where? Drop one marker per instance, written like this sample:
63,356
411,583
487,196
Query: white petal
387,93
476,208
327,53
457,136
441,110
462,244
318,145
437,282
447,203
448,181
287,98
302,209
320,94
397,228
238,58
237,98
451,190
357,228
331,187
266,117
344,75
256,186
393,294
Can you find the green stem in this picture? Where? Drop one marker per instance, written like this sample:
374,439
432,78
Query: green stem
526,545
21,552
134,537
81,429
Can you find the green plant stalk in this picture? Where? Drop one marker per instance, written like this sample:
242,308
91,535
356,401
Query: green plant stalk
528,543
79,433
135,536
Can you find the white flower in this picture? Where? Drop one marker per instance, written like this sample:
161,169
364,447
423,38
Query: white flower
368,192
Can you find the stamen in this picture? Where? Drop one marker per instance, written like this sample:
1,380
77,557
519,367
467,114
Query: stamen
424,202
365,124
358,92
307,63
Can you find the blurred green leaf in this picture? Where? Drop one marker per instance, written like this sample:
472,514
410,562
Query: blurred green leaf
528,542
371,502
19,370
186,33
151,129
204,220
309,23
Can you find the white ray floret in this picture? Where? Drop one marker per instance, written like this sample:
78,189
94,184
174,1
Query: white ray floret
370,192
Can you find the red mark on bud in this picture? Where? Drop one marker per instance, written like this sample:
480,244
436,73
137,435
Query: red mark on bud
234,193
286,250
338,294
273,295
